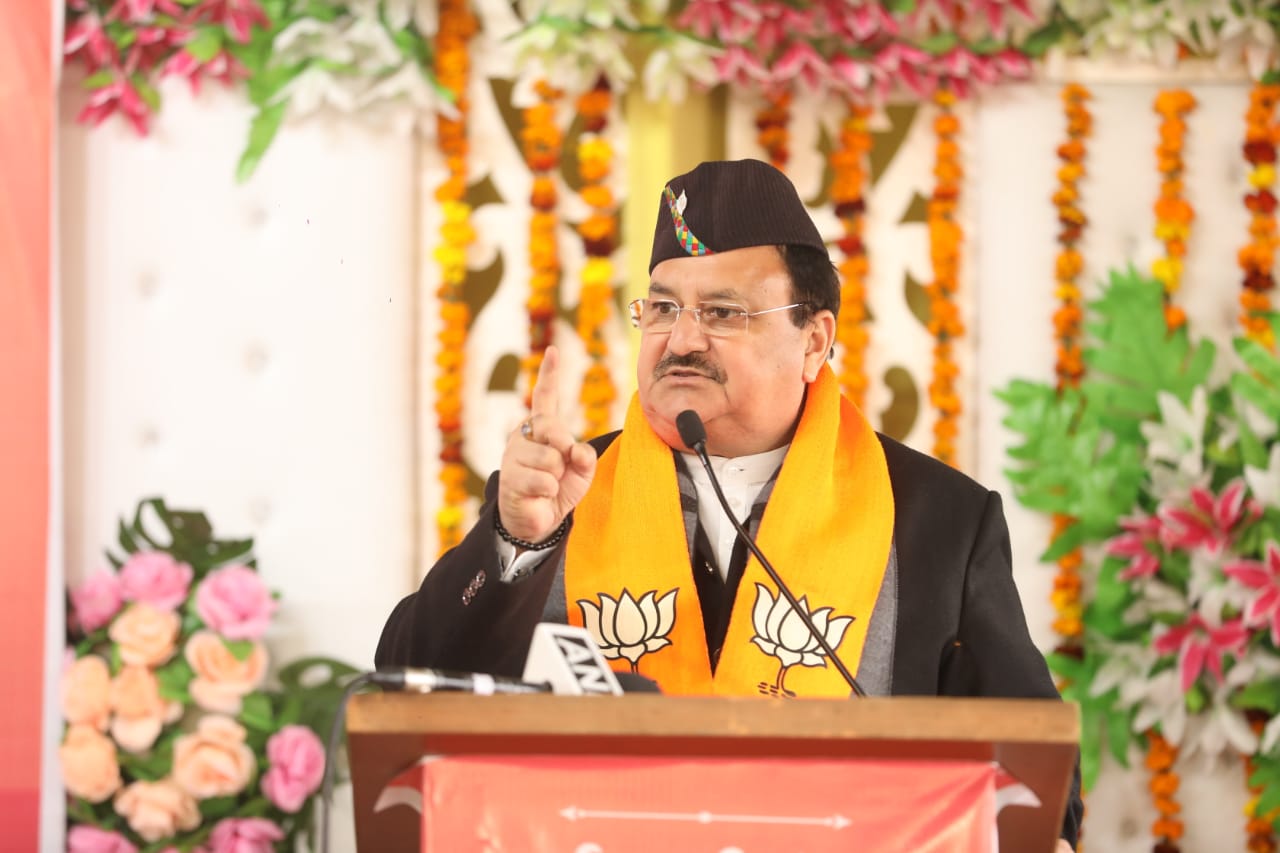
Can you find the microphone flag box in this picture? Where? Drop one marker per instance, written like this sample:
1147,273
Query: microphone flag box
567,658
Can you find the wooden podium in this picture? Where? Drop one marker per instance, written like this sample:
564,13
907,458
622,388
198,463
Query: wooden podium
1034,740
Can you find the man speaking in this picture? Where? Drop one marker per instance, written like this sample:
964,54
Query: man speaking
900,563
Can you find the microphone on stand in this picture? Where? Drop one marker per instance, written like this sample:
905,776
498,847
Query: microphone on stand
694,435
422,680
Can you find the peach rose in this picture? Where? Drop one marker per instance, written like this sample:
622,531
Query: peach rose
157,810
140,713
146,635
221,680
85,692
213,761
89,767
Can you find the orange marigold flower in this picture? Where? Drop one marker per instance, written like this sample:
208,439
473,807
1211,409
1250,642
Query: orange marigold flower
1167,827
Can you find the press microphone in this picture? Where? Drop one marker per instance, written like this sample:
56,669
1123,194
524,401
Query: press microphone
694,436
566,658
422,680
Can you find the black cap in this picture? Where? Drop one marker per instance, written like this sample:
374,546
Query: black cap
724,205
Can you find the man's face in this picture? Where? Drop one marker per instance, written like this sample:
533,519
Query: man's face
747,389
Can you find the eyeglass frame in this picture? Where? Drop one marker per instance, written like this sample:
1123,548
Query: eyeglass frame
635,308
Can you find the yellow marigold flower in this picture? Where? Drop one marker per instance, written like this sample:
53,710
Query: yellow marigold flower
597,272
1263,175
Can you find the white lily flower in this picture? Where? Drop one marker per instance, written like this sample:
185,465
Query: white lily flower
597,13
1154,596
411,87
668,69
308,38
1179,437
398,13
1163,702
1264,483
1126,664
377,50
314,88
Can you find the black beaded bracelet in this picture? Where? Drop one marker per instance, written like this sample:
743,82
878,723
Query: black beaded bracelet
550,542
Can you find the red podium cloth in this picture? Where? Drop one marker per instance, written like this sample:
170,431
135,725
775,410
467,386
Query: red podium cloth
612,804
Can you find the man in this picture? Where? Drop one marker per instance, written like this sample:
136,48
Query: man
902,562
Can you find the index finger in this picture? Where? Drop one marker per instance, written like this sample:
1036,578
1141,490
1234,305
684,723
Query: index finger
545,399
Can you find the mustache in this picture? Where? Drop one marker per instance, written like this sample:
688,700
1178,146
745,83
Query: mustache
689,361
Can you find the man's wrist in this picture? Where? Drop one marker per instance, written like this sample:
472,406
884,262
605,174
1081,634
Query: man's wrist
522,545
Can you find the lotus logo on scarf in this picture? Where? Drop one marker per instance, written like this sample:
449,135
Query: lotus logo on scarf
627,628
781,633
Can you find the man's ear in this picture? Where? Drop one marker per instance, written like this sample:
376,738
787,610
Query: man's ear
820,338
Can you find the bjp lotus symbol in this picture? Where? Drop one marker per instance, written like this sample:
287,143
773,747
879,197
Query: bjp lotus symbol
627,628
781,633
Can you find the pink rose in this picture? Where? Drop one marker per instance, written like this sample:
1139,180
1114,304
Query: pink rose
244,835
90,839
221,679
96,601
157,810
90,769
146,635
235,602
86,686
156,578
296,757
213,761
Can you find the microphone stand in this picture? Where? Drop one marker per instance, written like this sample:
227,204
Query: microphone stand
694,435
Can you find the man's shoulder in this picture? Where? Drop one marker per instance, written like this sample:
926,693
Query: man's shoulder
909,468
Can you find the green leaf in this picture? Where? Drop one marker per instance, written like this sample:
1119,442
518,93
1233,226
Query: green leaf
1119,736
174,679
98,80
255,712
240,649
1064,543
940,43
1262,695
218,807
261,132
206,44
1039,42
148,93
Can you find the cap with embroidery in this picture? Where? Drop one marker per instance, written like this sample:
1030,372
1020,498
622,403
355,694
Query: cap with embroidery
724,205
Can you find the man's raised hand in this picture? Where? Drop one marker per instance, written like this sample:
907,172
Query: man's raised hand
544,471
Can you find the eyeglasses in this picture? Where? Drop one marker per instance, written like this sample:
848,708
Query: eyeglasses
722,319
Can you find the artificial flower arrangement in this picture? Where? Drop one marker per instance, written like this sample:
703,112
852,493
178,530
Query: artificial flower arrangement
1166,459
174,741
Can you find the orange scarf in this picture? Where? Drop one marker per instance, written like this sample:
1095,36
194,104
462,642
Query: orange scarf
827,528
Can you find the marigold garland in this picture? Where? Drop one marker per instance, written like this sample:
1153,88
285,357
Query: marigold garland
1069,366
1174,213
1257,258
452,65
772,127
1258,828
1167,827
542,142
848,193
599,233
945,237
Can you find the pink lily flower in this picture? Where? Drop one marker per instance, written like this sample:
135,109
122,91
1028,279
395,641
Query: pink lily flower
1209,522
87,35
118,96
1013,64
907,63
1201,645
801,60
740,67
857,76
140,11
1263,608
732,21
772,27
223,67
236,16
996,10
1142,530
860,23
151,45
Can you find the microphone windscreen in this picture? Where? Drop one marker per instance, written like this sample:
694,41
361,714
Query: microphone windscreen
567,658
634,682
691,430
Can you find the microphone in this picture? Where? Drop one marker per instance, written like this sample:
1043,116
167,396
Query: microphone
566,658
694,435
420,680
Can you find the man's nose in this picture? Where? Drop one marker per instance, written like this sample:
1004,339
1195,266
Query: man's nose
687,335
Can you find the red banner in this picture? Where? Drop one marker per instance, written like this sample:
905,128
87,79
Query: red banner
617,805
26,134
